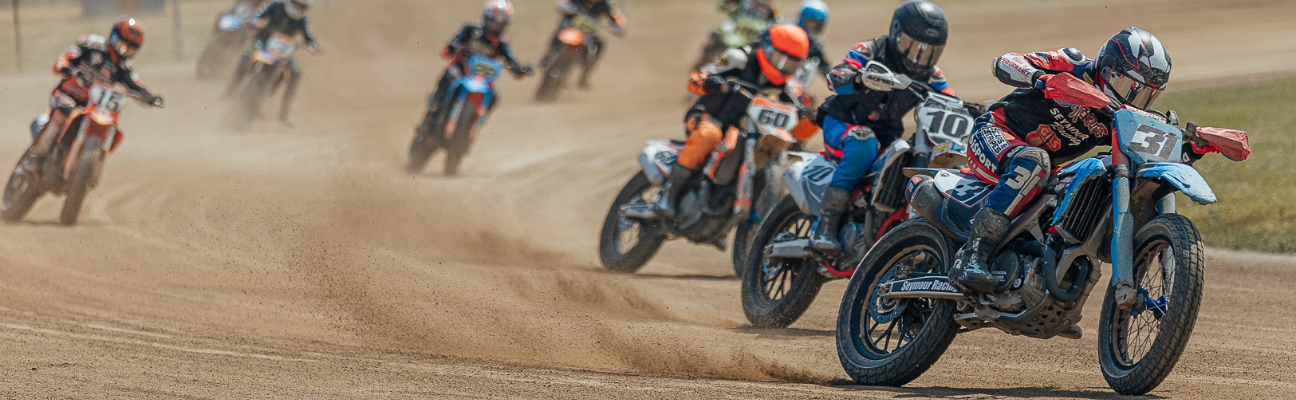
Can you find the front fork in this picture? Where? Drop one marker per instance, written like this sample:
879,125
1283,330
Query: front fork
746,177
1122,241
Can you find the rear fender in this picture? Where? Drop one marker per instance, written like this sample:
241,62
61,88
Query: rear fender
1182,177
807,180
657,158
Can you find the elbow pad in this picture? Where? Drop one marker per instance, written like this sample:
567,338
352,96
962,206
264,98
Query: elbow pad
1013,70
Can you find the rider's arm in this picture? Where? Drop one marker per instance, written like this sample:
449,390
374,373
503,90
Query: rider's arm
817,51
506,53
70,59
127,77
307,32
938,82
617,18
711,78
1024,70
844,78
729,6
457,43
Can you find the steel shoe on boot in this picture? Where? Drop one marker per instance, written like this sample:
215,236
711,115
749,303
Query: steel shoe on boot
670,192
832,209
971,270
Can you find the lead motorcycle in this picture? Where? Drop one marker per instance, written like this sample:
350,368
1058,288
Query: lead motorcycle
76,162
727,194
457,116
900,312
783,273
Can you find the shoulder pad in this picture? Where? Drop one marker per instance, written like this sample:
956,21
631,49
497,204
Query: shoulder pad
1072,54
730,60
93,42
864,48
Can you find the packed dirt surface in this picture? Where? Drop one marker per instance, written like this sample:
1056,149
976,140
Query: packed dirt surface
305,263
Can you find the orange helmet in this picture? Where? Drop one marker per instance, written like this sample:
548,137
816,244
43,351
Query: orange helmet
126,38
781,51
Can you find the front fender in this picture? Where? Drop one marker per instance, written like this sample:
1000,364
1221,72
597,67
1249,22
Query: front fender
1182,177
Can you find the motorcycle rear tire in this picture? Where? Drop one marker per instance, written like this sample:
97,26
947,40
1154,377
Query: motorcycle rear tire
760,309
908,361
82,179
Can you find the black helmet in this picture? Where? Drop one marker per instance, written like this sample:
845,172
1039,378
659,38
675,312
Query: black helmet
918,35
1133,67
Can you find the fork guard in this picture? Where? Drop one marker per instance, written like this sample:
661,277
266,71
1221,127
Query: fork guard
1182,177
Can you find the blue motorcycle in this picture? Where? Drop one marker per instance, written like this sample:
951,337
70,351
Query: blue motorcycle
453,124
900,312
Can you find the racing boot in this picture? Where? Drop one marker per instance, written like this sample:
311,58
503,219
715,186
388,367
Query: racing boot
972,270
832,210
670,191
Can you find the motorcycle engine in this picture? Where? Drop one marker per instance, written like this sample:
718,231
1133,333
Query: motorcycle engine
702,213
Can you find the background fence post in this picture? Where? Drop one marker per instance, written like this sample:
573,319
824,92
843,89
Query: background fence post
179,30
18,59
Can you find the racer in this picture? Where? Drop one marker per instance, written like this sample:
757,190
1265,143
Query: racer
1029,131
287,17
485,39
813,18
768,64
760,10
859,121
596,10
91,56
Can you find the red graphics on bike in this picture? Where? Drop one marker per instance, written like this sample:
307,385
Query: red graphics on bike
571,37
1066,88
1233,144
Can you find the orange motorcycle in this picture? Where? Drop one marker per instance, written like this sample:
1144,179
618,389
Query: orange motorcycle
76,162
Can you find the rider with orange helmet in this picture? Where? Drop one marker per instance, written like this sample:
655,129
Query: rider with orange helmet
92,56
769,63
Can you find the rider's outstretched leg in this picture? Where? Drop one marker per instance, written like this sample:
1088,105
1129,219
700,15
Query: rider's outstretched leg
240,72
594,52
61,106
290,93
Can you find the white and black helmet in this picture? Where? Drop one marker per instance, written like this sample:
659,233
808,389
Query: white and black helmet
1133,68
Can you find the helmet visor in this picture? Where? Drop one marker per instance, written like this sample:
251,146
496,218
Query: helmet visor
1131,91
918,56
123,48
813,26
784,62
496,26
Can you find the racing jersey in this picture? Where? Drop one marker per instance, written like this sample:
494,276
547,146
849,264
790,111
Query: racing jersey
91,52
858,105
1065,132
473,39
278,21
729,108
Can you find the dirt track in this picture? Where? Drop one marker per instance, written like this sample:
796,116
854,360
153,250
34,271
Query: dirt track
304,263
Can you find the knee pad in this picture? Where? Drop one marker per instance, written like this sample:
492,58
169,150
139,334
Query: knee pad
704,135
